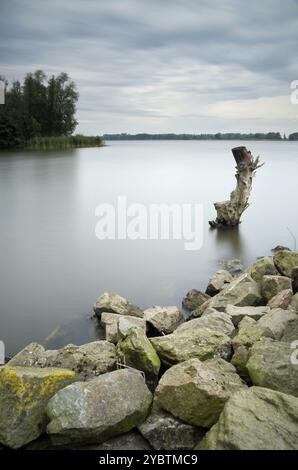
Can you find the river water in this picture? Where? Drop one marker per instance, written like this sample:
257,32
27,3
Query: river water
52,266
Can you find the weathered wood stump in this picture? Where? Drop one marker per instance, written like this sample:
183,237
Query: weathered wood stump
229,212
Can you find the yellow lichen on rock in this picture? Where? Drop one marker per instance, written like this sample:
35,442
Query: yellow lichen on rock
24,394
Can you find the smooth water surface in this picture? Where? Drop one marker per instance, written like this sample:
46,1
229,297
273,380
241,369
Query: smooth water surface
52,266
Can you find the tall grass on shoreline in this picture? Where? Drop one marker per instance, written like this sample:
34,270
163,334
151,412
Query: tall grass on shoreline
64,142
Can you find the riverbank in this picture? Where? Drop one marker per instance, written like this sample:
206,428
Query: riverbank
64,142
226,377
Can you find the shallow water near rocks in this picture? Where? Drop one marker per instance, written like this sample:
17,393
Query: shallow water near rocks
52,266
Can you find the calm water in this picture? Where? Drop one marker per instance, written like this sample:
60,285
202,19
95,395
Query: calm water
52,266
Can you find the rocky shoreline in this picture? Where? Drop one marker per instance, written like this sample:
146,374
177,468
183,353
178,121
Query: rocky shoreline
226,377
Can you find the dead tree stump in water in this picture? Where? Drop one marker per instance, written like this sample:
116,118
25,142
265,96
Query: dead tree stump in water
229,212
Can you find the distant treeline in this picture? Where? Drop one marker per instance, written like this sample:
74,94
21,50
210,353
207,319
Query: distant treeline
218,136
40,110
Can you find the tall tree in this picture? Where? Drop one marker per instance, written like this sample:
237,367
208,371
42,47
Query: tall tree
38,107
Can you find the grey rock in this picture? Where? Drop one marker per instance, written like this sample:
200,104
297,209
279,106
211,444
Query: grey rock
163,319
202,343
218,281
194,299
290,333
125,325
215,320
242,291
29,356
247,336
276,321
294,303
87,360
285,261
165,432
273,285
198,312
24,394
270,366
281,300
255,419
280,247
114,303
238,313
294,276
246,322
196,391
110,323
135,350
93,412
262,267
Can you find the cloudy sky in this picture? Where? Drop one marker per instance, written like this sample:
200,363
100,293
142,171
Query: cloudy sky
162,65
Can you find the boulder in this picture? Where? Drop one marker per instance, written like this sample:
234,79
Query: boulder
247,336
198,312
262,267
126,324
246,321
135,350
110,322
93,412
290,333
272,285
239,361
163,319
285,261
212,319
87,360
218,281
281,300
280,247
29,356
194,299
294,276
238,313
165,432
276,321
24,394
255,419
270,366
196,391
202,343
242,291
114,303
294,303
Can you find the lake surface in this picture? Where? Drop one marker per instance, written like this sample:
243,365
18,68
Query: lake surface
52,266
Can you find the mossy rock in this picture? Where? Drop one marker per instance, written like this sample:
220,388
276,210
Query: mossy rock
135,350
24,394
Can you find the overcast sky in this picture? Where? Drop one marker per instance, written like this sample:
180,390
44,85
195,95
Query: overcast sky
162,65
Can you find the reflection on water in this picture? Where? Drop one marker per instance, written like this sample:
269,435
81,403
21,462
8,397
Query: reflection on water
52,267
232,238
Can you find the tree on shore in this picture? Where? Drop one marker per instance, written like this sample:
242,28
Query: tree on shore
38,107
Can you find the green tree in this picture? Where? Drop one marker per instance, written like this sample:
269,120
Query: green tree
40,107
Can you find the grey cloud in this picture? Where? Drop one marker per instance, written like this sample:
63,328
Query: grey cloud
140,58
